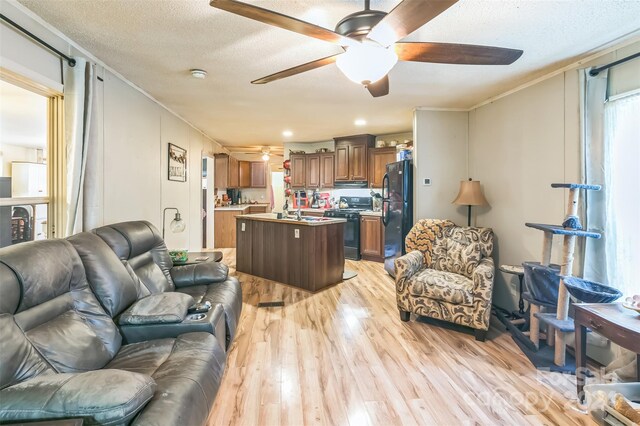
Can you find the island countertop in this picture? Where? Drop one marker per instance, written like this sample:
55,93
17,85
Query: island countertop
291,220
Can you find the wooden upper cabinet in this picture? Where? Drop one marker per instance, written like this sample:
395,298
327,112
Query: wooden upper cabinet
327,167
221,171
234,173
244,170
358,161
378,160
351,157
312,177
298,170
258,174
342,162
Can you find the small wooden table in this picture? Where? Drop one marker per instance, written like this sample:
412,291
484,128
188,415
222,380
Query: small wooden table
212,256
610,320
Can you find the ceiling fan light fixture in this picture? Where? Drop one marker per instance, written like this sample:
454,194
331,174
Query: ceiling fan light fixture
367,62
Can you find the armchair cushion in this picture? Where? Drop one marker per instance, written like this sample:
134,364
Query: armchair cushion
161,308
442,285
458,257
105,397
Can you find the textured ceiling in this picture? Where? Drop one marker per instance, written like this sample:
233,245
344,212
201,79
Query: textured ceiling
154,43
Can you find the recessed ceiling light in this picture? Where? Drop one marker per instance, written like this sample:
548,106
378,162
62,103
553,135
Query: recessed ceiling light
360,122
287,133
197,73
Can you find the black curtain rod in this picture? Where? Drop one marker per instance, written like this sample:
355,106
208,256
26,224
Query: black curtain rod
596,71
70,60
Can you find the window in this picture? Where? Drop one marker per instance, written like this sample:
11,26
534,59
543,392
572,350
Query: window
26,178
622,178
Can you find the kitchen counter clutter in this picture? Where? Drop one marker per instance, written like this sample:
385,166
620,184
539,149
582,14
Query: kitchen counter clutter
307,254
305,220
242,207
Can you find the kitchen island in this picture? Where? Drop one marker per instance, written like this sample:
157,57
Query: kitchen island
308,254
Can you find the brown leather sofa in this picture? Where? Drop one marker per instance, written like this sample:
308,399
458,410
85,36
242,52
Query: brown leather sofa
64,309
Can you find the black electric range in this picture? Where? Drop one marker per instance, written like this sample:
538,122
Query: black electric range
352,227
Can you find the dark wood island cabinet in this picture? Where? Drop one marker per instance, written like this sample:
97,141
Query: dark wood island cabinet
306,254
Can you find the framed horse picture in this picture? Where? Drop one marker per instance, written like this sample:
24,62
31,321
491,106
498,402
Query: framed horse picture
177,163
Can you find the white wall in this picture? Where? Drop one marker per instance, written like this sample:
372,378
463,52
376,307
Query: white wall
127,165
440,153
518,146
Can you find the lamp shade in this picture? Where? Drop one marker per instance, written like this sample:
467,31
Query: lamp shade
470,194
366,63
177,224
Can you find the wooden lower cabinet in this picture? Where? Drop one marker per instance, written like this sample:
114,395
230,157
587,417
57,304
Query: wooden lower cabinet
372,238
258,209
224,228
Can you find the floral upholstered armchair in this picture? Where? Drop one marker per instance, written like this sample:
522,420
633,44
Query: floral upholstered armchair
447,274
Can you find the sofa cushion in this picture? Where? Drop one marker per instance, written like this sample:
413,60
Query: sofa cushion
163,308
139,244
57,311
18,358
104,397
114,286
443,286
187,370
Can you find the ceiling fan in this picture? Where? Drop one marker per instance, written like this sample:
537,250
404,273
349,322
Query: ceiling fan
370,38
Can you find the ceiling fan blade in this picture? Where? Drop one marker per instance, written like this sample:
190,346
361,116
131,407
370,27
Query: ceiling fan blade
282,21
379,88
405,18
298,69
450,53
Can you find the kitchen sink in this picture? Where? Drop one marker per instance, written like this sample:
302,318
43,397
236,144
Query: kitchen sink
307,219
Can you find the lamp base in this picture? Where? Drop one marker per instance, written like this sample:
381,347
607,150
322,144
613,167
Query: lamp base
469,215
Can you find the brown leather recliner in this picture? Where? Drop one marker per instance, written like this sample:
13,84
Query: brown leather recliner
143,251
62,356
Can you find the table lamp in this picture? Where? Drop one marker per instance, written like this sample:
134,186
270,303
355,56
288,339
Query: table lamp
470,194
176,225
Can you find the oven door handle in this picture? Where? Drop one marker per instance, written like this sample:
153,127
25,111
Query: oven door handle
385,200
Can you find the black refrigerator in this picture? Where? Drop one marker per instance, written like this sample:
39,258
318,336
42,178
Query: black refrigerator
397,210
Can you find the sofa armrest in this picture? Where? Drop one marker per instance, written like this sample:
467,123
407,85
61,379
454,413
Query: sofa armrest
100,397
199,274
161,308
406,266
483,279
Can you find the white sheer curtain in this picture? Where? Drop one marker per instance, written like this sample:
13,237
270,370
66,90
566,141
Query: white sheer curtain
78,102
622,197
610,133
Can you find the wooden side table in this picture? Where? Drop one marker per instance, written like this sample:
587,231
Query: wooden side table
610,320
212,256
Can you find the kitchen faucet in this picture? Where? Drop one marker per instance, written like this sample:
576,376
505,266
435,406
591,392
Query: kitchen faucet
298,213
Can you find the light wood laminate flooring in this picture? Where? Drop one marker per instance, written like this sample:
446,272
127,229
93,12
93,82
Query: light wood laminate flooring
343,357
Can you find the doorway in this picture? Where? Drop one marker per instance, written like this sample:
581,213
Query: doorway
277,185
208,201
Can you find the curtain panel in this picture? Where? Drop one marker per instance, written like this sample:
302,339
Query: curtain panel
78,105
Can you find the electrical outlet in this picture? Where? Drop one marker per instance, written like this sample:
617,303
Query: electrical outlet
427,182
242,226
296,233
